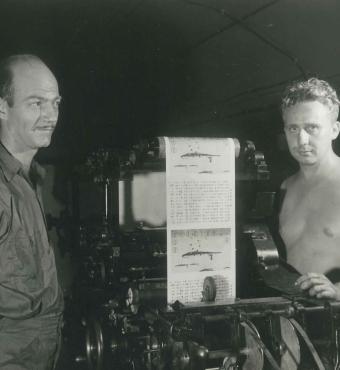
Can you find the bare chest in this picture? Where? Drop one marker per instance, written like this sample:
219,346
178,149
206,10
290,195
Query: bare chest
308,215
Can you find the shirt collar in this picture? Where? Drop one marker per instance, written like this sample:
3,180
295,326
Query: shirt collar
11,166
38,172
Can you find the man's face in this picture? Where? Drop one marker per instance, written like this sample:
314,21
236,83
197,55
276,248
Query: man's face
32,118
310,128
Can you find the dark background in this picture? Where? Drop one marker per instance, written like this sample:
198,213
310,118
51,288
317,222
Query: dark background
140,68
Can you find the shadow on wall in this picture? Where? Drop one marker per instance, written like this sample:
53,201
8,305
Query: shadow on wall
122,86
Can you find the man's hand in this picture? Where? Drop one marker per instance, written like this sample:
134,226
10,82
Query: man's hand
318,286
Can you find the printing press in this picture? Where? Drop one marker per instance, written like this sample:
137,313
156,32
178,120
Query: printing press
124,320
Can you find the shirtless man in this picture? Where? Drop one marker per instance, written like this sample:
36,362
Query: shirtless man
310,213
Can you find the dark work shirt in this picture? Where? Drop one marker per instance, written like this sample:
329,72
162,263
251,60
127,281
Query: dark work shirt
28,276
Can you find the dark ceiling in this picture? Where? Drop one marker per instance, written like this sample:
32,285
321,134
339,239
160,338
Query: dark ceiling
137,68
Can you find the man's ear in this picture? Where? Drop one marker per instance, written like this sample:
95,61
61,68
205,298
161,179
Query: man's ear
336,129
3,109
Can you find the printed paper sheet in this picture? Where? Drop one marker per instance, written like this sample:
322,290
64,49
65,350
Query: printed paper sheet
200,184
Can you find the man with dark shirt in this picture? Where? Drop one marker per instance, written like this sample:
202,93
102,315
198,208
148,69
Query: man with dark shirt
31,302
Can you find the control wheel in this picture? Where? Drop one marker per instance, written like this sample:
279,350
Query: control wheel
253,351
94,345
209,289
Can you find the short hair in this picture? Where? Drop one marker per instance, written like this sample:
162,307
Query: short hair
312,89
6,74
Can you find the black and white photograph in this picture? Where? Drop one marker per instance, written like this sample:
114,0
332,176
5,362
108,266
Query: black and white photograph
169,185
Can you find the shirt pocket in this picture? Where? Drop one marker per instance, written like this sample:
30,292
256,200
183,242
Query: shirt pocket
21,255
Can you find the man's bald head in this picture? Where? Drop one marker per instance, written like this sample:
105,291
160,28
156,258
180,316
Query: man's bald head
7,68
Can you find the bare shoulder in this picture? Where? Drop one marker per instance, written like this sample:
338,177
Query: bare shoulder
289,182
336,173
333,185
